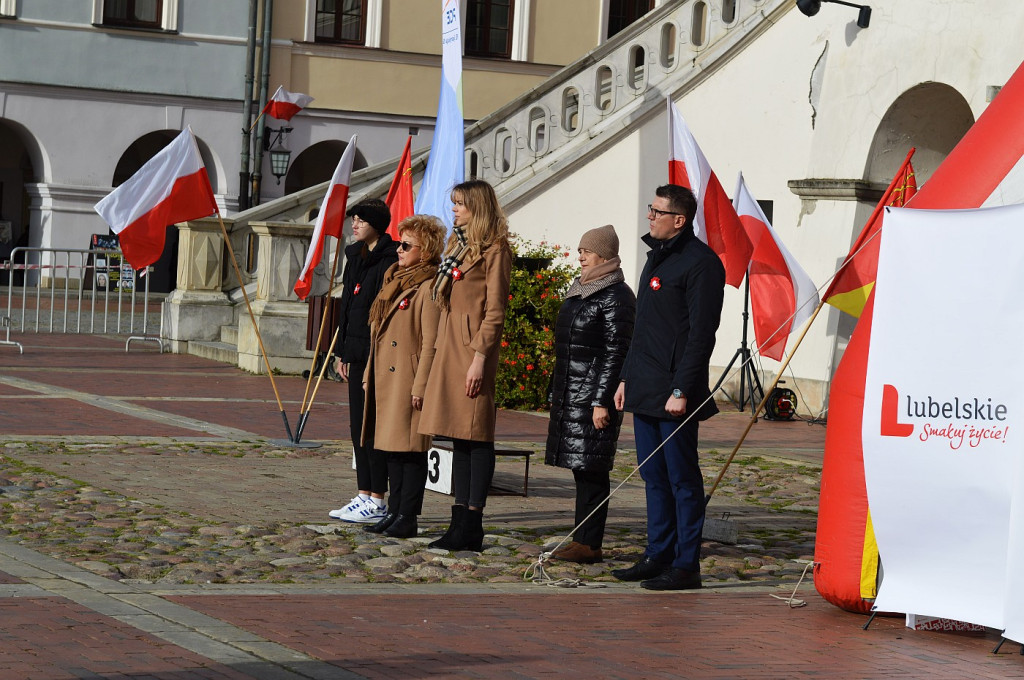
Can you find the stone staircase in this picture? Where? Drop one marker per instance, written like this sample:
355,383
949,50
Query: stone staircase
554,129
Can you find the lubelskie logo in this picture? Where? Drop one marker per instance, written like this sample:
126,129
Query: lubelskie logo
981,419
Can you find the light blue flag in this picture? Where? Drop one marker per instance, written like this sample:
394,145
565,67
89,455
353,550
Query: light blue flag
446,166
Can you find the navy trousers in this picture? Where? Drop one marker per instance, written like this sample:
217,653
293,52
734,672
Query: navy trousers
675,491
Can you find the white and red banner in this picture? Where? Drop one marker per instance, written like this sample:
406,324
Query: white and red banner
171,187
782,295
943,425
716,222
284,104
330,220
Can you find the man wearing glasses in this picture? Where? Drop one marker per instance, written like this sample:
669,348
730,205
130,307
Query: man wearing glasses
664,384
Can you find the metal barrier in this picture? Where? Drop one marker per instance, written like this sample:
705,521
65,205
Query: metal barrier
75,291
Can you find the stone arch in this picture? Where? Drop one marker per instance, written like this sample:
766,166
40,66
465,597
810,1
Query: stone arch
316,164
21,163
930,116
150,144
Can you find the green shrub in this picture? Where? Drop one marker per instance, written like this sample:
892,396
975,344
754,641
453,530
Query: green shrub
541,274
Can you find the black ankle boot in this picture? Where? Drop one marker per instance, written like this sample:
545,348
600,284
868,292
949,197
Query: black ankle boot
472,535
382,525
403,527
446,541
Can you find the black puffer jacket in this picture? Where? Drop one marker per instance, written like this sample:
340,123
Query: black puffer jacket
592,336
362,280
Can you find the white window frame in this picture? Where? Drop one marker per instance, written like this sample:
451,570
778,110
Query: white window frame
520,29
606,7
374,22
168,22
8,8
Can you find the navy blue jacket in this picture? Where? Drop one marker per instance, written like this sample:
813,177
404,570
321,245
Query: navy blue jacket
678,308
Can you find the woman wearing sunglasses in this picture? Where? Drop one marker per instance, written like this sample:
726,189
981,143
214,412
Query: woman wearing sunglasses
403,327
471,288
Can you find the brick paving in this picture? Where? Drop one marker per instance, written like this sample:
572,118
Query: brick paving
78,396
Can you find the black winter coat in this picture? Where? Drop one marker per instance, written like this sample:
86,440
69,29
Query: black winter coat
362,280
592,337
678,307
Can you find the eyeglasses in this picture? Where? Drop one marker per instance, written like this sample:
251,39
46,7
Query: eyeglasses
651,210
405,246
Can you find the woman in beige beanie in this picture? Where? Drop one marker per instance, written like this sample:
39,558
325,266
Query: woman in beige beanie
592,334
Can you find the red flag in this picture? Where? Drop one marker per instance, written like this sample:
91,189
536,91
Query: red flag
171,187
853,282
399,200
330,220
979,171
716,222
782,295
284,104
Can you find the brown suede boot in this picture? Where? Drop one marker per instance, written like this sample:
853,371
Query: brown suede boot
579,553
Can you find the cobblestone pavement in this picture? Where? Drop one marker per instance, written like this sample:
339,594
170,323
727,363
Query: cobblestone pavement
152,527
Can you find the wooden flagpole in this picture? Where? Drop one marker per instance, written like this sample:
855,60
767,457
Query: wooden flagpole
304,415
320,332
255,327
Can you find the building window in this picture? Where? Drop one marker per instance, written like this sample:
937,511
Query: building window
341,21
622,13
488,30
8,8
133,13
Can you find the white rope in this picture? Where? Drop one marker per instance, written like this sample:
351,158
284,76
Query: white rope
791,600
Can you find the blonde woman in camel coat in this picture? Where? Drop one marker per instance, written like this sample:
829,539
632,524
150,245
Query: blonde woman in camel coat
471,289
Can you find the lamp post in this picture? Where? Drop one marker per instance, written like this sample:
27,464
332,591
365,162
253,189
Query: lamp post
280,156
811,7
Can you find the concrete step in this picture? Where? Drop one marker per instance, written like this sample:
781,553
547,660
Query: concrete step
218,351
229,334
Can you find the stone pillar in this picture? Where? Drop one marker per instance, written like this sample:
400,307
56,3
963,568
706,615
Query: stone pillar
280,316
198,307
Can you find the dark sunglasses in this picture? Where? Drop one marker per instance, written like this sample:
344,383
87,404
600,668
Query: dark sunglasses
405,246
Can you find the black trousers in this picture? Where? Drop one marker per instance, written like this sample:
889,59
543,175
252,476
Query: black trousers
472,471
592,487
407,473
371,470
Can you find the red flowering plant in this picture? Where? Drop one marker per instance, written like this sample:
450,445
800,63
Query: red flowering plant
541,274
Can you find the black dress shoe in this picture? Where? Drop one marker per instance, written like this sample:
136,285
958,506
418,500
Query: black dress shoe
403,527
382,525
645,568
673,578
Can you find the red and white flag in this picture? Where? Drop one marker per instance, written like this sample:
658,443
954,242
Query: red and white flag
782,295
716,222
284,104
400,200
331,218
171,187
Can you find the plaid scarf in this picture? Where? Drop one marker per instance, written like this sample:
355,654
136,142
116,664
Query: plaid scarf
449,265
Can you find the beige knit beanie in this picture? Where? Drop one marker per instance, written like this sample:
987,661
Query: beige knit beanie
602,240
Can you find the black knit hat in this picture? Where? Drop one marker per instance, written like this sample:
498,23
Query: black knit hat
374,212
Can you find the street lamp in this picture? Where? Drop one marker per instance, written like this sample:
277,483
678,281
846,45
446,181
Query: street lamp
811,7
279,155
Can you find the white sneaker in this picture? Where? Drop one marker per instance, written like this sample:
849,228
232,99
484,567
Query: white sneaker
353,505
369,513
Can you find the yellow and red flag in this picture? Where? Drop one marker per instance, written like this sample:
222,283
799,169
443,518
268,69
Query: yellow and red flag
399,200
852,284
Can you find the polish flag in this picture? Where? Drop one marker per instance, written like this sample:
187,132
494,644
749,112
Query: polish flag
171,187
782,295
716,222
284,104
400,200
331,218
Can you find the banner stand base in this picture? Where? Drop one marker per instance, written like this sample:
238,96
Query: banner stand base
295,445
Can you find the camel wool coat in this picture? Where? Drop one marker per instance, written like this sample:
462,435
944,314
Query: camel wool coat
473,323
401,354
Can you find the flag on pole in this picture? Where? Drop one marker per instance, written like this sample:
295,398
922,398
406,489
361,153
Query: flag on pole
446,165
782,295
716,222
852,284
399,198
330,220
171,187
284,104
984,169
